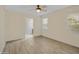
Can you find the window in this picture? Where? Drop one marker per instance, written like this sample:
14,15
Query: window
45,23
73,21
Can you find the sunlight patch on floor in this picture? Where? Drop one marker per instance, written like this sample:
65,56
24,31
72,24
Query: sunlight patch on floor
27,36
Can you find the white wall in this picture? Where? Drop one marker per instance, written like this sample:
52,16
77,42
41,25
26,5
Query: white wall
58,28
15,26
2,28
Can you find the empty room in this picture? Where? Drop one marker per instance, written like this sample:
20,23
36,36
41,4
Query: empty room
39,29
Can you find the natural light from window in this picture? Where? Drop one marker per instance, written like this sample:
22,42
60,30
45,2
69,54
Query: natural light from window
45,24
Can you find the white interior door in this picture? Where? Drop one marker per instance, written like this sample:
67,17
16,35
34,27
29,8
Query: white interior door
29,26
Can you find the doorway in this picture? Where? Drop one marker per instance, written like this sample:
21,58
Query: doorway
29,28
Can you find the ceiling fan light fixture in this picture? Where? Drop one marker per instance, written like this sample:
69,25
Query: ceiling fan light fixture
38,9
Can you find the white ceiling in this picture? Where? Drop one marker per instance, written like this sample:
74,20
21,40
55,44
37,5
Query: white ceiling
31,9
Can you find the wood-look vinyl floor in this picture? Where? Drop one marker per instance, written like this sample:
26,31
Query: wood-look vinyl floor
39,45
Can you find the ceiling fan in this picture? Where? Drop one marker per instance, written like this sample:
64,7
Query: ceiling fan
41,8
